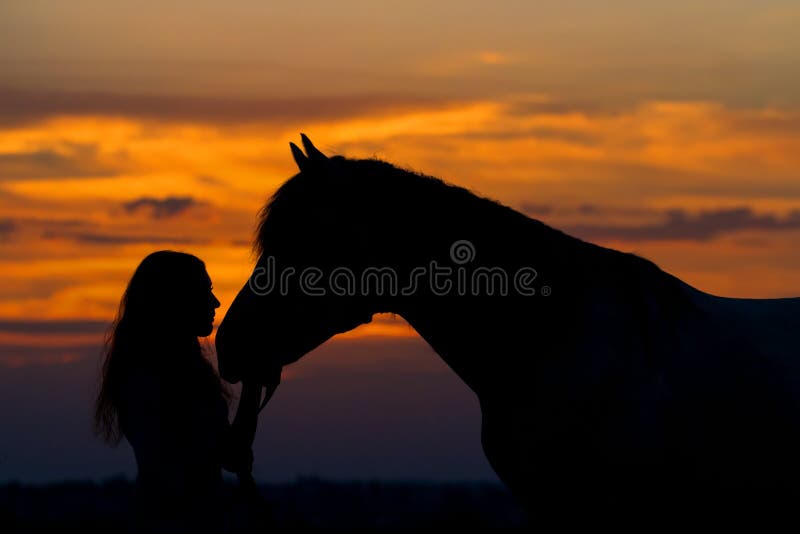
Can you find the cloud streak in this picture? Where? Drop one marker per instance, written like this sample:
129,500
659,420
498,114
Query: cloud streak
33,326
92,238
21,107
66,161
703,226
7,227
26,342
15,356
161,208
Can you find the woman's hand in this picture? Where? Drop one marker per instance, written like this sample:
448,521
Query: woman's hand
238,454
239,450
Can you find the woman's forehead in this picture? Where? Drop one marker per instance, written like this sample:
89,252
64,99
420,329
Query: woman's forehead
200,277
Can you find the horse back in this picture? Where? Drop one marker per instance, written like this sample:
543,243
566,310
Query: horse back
772,326
655,400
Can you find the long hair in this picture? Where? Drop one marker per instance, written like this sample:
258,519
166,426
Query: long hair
151,334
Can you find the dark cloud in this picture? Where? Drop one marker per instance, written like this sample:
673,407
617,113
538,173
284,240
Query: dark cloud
209,179
161,208
91,238
680,225
33,326
597,210
534,209
25,106
65,161
7,227
11,226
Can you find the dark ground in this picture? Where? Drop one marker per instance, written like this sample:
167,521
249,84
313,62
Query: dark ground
307,505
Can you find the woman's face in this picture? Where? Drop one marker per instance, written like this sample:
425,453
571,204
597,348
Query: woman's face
203,306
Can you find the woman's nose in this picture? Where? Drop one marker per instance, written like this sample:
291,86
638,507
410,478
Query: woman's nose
215,301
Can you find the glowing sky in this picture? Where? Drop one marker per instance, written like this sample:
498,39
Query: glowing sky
671,130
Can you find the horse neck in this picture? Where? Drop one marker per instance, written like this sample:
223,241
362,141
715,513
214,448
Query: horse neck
463,330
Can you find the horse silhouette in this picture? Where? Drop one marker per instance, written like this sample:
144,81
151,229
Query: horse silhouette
611,392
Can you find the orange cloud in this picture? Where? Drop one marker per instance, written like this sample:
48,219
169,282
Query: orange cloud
68,244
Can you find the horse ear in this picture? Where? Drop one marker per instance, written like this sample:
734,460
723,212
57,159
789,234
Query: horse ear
313,153
299,157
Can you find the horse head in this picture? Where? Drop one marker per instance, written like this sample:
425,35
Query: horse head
308,231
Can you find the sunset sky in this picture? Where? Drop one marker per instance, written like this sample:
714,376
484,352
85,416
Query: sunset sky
671,130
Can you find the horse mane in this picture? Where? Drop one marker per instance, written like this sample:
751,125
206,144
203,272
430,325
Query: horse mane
364,180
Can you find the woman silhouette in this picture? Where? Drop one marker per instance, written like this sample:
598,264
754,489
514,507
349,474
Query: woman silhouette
161,393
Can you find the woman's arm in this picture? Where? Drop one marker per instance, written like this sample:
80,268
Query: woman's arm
239,453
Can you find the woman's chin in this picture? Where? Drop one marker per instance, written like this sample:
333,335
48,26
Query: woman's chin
206,330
